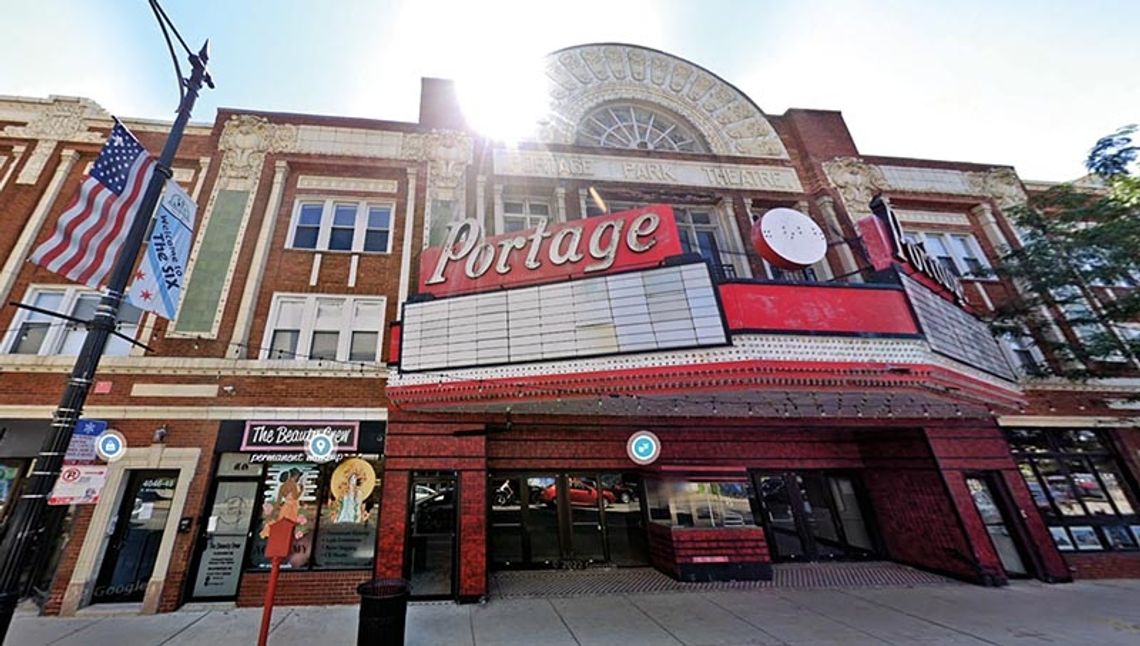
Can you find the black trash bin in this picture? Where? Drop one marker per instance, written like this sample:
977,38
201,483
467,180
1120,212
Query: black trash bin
383,610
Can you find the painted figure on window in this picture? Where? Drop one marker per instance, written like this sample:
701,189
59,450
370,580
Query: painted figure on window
352,484
288,503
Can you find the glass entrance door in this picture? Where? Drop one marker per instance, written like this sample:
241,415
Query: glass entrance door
555,519
227,532
135,537
433,524
991,513
813,515
586,501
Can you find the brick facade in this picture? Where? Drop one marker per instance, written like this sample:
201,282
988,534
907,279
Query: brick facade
911,468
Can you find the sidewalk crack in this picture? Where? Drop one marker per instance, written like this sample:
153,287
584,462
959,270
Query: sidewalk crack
912,615
563,620
184,628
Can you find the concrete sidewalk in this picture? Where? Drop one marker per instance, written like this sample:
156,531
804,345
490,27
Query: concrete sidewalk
1101,613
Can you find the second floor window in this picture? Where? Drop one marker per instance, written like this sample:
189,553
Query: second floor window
324,327
523,214
959,253
700,234
40,334
1024,354
342,225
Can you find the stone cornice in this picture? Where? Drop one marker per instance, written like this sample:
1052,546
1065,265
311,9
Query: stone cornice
13,364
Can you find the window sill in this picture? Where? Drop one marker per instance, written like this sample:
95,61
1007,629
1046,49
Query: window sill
340,251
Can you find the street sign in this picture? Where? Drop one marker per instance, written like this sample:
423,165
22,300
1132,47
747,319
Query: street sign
111,445
320,447
643,448
79,484
81,448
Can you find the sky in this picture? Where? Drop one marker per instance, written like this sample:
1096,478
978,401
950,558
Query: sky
1029,84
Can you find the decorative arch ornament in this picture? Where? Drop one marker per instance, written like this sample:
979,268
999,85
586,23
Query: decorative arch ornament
586,77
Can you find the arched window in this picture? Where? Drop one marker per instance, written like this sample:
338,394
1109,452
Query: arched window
628,125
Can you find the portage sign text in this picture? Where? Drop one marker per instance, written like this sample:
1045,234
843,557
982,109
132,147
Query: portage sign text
468,263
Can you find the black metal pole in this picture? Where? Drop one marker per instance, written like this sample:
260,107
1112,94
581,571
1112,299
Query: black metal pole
25,525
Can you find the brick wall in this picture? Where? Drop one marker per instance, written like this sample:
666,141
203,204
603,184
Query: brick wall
917,520
1104,565
313,588
709,554
961,450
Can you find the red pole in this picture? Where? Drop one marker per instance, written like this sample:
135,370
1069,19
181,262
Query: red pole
267,608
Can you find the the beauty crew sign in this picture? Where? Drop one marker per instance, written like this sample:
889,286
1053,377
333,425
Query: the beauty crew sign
468,263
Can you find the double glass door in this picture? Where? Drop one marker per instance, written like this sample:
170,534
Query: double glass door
813,515
557,519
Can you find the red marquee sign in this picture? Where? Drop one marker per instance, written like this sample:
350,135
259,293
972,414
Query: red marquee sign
468,263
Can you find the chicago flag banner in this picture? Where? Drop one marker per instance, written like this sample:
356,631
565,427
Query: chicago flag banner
158,282
90,232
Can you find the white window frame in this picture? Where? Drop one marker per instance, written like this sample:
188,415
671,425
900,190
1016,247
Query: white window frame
729,251
945,237
360,225
59,329
501,214
308,321
722,221
1012,342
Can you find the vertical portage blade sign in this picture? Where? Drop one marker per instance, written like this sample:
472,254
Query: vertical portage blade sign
158,282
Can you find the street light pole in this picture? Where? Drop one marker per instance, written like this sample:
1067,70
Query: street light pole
25,526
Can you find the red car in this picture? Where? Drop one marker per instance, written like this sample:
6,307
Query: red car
582,494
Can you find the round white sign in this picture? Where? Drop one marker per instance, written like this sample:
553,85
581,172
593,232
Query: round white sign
643,447
320,447
110,445
788,239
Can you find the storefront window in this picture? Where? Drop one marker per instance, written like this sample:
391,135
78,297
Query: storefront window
9,479
334,507
1078,486
700,503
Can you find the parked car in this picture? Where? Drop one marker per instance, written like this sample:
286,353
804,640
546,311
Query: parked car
435,514
582,494
624,492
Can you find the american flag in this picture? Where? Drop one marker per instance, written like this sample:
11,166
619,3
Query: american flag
90,232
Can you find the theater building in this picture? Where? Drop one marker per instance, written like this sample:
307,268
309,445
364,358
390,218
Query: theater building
562,353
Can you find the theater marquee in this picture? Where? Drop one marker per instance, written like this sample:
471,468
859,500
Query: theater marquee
589,287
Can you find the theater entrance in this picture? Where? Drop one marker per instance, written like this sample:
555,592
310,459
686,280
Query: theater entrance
814,516
551,520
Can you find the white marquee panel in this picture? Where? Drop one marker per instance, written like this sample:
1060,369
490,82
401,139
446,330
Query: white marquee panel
656,309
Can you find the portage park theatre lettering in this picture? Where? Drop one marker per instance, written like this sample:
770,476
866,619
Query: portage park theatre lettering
556,165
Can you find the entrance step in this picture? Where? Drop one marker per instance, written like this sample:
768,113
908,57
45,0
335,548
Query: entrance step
562,583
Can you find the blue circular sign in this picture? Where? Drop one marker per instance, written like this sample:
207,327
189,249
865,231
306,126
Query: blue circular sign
643,447
321,447
110,445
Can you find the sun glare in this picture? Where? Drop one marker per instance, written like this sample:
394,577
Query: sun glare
504,99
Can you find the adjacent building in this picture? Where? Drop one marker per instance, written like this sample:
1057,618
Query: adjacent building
487,398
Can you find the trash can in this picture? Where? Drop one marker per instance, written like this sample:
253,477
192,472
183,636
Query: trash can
383,609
